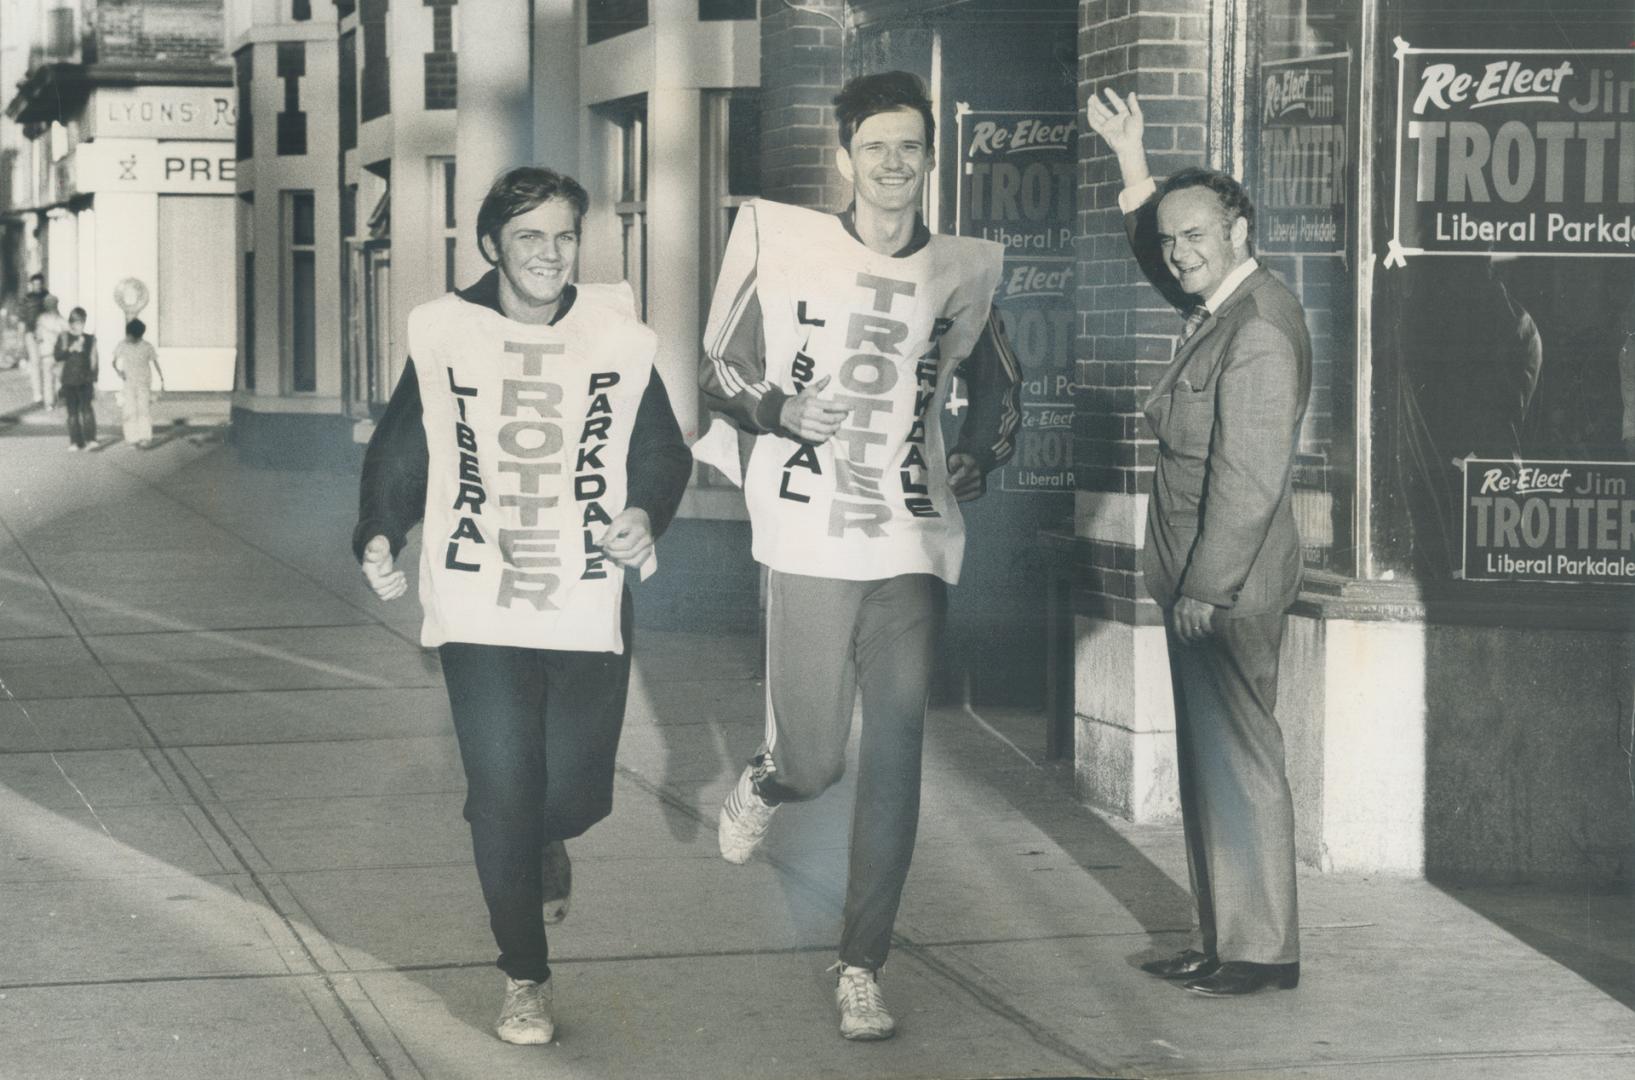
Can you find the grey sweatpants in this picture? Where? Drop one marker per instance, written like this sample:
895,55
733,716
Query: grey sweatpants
827,640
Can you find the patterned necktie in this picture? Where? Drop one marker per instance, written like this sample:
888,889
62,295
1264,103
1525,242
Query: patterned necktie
1195,318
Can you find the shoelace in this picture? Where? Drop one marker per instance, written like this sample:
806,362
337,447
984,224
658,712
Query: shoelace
862,992
750,807
527,1002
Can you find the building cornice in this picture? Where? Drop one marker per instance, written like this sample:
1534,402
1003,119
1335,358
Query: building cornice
54,91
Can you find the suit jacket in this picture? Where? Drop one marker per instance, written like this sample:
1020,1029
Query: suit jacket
1227,413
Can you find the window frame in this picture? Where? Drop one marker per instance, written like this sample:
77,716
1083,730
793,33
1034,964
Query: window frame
630,206
443,177
290,329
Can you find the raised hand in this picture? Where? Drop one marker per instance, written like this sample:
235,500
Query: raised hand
1118,122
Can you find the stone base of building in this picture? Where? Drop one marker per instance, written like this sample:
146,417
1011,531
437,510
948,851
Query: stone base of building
1458,751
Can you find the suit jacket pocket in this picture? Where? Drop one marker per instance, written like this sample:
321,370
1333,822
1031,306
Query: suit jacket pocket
1191,421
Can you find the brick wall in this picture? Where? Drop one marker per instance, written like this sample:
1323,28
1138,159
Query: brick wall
125,31
1127,333
244,134
375,81
800,75
442,63
346,90
291,136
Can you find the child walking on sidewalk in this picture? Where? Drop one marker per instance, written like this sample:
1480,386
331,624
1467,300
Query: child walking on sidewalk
136,361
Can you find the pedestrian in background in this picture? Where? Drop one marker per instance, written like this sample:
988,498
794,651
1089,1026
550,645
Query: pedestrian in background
28,314
76,354
48,325
136,362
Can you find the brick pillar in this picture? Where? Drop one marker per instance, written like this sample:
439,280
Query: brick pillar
1124,738
800,75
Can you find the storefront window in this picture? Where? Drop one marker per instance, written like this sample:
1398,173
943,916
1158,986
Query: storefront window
1301,138
1503,367
609,18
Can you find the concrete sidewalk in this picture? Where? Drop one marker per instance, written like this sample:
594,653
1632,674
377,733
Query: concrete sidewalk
231,845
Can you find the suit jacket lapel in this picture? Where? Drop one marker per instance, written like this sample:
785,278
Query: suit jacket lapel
1166,381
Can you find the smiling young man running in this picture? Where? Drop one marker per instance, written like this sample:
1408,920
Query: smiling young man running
834,339
533,434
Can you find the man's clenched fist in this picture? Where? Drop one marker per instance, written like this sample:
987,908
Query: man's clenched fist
628,540
388,582
811,418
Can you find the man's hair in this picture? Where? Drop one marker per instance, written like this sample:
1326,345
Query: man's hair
520,190
868,95
77,313
136,328
36,277
1234,200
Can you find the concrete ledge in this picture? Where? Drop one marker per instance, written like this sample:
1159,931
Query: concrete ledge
272,440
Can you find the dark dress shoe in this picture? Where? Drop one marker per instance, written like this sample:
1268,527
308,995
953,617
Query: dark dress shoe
1237,977
556,870
1190,964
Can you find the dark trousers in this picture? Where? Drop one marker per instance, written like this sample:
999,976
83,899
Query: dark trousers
538,733
826,641
1235,802
82,416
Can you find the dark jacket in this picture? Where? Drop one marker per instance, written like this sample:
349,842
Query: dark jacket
78,361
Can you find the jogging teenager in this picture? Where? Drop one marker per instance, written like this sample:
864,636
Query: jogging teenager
834,339
533,435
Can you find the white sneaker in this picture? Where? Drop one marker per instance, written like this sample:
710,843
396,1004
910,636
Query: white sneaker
745,817
525,1019
863,1014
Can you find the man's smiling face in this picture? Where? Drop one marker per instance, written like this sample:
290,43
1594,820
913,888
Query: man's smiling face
535,251
1200,247
888,159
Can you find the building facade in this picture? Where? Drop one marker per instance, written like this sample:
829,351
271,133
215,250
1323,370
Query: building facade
1445,187
117,164
375,129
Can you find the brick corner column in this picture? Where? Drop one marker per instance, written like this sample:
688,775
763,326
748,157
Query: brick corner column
800,75
1126,337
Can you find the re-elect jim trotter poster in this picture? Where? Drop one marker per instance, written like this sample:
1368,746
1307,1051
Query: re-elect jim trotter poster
1515,151
1550,521
1018,186
1303,141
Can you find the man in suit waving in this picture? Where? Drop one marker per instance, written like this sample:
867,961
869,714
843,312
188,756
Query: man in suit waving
1222,555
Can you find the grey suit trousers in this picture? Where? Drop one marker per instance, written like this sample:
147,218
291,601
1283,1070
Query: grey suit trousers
1235,800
